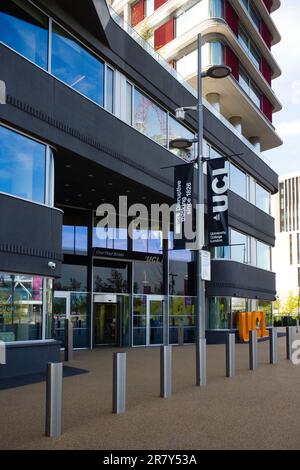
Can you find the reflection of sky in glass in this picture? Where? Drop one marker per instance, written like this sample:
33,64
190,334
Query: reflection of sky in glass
176,131
75,66
75,239
111,238
22,166
149,118
147,241
24,33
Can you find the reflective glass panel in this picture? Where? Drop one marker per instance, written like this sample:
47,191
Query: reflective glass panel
238,181
218,313
263,255
239,246
148,278
263,199
73,278
21,307
25,29
176,131
110,89
76,66
149,118
22,166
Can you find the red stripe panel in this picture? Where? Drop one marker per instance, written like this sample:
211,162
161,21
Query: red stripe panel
233,62
231,18
164,34
137,12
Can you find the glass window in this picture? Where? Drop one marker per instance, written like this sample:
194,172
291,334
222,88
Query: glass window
238,181
249,88
188,65
77,67
218,313
249,48
255,95
73,278
148,278
139,320
129,98
112,238
147,241
181,273
262,198
22,166
21,307
149,118
216,8
239,246
254,16
176,131
25,29
182,313
75,240
109,89
191,17
212,53
110,277
263,255
238,306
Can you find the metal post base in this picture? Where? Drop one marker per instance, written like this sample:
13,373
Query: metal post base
290,335
54,399
166,371
273,346
119,383
253,355
201,362
230,355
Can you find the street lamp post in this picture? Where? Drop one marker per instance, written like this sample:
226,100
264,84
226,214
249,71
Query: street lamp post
217,72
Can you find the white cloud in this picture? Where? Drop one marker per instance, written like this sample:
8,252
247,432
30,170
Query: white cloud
296,92
289,128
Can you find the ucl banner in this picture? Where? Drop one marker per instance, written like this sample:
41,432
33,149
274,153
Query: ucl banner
217,202
183,195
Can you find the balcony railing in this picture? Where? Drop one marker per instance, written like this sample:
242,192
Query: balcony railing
145,45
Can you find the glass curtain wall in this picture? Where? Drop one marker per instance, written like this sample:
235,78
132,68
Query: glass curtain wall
24,28
21,306
23,166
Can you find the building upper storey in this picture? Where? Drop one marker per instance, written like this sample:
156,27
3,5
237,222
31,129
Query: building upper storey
238,33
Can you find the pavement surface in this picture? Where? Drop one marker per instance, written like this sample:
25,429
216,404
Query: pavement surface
255,410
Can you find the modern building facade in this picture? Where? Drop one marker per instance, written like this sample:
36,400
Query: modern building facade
89,117
286,254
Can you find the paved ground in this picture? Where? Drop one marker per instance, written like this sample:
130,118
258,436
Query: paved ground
255,410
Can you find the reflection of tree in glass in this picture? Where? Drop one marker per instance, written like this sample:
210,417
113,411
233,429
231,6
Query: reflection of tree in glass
114,283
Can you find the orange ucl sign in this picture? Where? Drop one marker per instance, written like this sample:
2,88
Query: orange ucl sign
249,321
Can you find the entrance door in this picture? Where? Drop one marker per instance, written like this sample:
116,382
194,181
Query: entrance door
106,324
155,320
61,311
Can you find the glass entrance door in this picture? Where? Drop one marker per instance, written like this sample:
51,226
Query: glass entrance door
106,324
155,320
61,311
71,305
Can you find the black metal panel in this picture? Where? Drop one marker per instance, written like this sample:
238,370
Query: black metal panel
248,218
233,279
25,359
30,237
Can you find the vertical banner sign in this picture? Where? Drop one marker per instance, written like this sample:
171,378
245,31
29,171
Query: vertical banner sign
183,195
217,202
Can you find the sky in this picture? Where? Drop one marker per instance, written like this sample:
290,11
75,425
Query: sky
286,159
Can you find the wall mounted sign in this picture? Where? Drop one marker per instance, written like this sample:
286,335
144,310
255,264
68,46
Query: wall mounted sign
127,255
217,202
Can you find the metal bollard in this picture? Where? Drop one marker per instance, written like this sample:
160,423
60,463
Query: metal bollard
180,334
68,340
290,335
273,346
230,355
119,383
253,355
165,371
54,399
201,362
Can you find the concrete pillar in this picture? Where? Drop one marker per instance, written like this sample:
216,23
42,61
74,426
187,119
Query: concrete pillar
255,141
215,100
236,121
